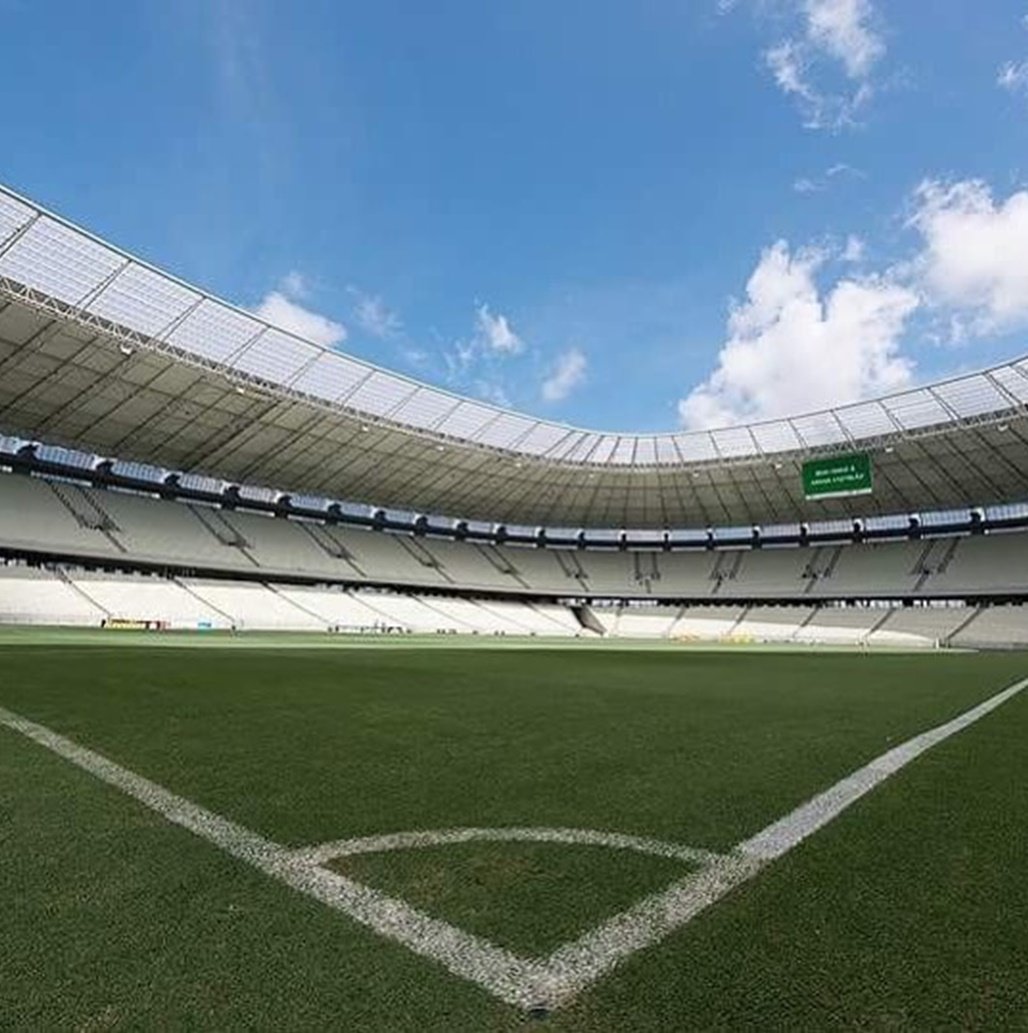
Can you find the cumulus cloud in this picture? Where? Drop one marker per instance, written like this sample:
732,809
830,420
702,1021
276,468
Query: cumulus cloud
567,373
282,308
791,348
975,252
495,333
375,317
836,38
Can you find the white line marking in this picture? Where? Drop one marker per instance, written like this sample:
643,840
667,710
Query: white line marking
502,973
443,837
785,833
548,982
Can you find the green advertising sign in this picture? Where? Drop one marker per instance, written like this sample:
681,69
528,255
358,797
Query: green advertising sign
837,476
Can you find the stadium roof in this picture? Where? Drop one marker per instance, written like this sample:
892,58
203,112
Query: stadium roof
102,352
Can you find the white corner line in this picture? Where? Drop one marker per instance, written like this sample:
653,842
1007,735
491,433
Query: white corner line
524,983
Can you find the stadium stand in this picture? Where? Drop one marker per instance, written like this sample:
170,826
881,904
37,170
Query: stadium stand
125,498
30,596
995,626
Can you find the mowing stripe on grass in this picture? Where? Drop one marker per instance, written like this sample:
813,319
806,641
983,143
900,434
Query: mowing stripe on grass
526,983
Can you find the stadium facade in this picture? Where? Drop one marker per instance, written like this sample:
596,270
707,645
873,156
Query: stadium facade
174,459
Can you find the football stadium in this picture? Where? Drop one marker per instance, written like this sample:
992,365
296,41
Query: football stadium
330,699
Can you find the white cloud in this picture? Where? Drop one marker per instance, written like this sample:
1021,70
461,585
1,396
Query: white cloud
495,333
280,311
567,373
817,184
1013,76
836,37
975,254
842,28
790,349
854,249
375,317
294,285
491,391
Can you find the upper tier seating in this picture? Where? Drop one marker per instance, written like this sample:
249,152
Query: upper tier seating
114,527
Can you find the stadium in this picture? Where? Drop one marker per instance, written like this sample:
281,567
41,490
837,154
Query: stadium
428,714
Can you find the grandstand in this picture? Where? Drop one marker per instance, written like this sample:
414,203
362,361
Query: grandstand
173,461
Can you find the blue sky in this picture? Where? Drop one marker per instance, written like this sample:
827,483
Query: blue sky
626,215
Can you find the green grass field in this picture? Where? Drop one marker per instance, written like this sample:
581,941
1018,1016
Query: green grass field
907,912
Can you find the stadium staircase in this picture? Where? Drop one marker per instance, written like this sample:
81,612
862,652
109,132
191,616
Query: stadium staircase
588,620
214,521
878,624
803,623
81,592
496,559
295,604
738,620
87,512
821,566
329,544
963,625
232,622
421,554
934,560
645,569
726,568
571,565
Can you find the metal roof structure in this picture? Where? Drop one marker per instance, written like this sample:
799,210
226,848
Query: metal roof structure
102,352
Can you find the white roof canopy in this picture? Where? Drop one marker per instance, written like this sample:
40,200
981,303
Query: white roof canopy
99,350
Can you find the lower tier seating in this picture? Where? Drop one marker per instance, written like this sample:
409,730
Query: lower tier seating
65,595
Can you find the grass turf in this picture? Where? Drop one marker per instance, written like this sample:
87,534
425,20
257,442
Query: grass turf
903,912
528,897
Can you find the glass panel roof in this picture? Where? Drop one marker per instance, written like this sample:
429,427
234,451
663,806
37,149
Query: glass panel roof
916,409
13,215
70,265
275,356
972,396
733,441
380,394
425,408
818,429
505,430
143,300
776,437
66,265
330,377
214,331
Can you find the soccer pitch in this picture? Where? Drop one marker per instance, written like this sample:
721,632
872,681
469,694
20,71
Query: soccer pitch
310,834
